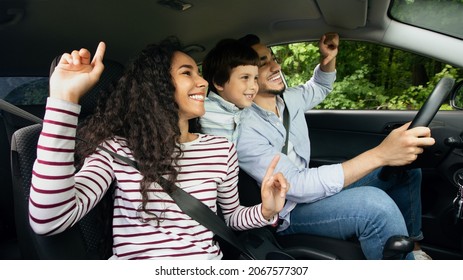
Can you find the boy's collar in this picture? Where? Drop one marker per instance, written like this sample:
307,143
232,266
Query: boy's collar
224,103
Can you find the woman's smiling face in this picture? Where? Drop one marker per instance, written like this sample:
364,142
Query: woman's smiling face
190,87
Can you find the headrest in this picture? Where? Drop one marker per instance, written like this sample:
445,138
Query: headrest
112,72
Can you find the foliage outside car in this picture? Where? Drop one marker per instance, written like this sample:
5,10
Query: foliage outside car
369,77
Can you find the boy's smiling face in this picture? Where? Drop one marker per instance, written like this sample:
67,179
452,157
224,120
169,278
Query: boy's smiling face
242,86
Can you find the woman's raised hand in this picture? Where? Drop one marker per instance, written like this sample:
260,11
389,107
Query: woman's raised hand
76,73
273,190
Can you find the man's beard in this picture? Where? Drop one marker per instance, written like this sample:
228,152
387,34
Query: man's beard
275,91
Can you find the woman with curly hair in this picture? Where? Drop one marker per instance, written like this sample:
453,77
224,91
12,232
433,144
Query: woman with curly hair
145,117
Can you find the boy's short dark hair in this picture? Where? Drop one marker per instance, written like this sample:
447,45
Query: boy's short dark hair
250,40
226,55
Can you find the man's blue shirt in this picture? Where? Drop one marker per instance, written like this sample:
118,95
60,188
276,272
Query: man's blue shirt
261,136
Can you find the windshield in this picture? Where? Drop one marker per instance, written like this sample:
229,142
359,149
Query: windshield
443,16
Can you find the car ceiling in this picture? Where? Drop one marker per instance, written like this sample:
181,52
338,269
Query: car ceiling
33,32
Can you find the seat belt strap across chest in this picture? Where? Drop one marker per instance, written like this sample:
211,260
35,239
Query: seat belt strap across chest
284,150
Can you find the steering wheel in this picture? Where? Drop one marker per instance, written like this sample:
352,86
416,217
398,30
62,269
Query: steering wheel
425,115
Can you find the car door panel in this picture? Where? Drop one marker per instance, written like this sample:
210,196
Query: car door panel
339,135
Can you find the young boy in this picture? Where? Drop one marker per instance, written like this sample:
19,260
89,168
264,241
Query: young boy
231,69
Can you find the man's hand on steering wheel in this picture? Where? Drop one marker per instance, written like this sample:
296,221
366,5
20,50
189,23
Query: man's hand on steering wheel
416,129
402,146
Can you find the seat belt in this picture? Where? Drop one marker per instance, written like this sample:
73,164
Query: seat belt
284,150
185,201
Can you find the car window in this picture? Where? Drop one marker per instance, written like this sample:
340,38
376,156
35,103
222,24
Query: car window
369,76
24,90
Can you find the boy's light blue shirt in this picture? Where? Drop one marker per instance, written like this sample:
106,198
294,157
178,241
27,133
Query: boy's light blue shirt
222,118
262,135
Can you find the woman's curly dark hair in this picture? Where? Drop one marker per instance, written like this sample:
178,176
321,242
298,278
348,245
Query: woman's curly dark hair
141,108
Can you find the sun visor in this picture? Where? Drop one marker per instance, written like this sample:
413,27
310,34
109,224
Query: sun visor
349,14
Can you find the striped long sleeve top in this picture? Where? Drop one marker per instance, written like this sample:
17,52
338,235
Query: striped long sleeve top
60,196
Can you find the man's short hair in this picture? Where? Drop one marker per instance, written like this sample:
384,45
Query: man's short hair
250,40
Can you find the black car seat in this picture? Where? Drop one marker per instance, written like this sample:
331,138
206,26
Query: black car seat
8,233
7,226
21,97
91,238
305,246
